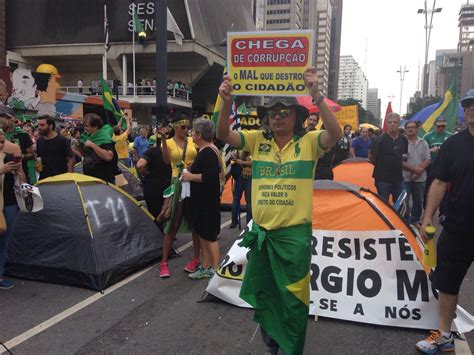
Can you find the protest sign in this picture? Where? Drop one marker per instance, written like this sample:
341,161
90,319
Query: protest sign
269,63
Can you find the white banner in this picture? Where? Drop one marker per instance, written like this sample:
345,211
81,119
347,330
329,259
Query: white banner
365,276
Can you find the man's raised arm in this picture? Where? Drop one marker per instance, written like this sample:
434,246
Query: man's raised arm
223,131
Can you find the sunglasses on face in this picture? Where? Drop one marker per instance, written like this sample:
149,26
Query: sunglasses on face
440,125
283,113
184,127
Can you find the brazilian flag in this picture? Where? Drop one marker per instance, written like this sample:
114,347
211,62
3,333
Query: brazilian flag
110,104
276,282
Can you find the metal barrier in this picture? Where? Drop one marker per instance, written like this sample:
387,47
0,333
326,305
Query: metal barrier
141,90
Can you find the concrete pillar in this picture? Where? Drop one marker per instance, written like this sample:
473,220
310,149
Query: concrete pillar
124,73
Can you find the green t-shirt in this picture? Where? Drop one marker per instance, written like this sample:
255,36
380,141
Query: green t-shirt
434,139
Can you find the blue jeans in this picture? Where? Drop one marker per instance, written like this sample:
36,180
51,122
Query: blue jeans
384,189
10,212
241,185
416,191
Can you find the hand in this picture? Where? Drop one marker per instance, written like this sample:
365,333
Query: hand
417,170
89,144
414,176
10,166
225,90
425,223
186,176
311,82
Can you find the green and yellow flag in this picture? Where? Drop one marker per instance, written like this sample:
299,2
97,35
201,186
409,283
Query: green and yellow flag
109,102
447,108
276,282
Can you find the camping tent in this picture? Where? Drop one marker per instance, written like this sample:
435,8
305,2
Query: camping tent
89,234
133,187
357,171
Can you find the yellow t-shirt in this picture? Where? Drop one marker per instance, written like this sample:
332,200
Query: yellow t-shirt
121,145
176,154
282,180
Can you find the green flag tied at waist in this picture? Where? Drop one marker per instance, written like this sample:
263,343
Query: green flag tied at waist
276,282
99,137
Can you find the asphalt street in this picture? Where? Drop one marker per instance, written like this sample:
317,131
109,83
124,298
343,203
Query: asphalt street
149,315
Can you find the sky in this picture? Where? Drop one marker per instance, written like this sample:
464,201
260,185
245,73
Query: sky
394,35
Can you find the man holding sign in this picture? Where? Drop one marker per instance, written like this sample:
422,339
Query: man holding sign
276,282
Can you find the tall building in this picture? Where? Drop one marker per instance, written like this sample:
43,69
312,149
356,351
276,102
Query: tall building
432,78
466,28
283,14
352,81
373,102
307,14
335,48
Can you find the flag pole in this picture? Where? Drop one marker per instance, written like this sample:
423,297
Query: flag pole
133,54
104,58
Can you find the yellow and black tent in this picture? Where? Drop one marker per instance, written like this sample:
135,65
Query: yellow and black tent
89,234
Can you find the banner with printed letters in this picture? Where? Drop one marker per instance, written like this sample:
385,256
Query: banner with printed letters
364,276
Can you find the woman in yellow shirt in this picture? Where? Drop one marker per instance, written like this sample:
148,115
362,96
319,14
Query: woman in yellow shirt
173,151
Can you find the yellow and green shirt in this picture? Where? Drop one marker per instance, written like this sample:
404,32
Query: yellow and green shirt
282,180
176,154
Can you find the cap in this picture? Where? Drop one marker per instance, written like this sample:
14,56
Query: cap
286,101
48,69
440,119
468,99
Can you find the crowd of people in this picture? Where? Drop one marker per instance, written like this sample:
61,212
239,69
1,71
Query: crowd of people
182,175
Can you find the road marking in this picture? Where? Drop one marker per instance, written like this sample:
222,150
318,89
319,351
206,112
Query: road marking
461,346
10,344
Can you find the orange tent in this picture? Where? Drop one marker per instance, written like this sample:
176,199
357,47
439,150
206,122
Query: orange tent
357,171
227,196
347,207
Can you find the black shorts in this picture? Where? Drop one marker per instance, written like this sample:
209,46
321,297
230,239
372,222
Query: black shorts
455,253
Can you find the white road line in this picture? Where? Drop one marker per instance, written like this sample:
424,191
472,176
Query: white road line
461,346
10,344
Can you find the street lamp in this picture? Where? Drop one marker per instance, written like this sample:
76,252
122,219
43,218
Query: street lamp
428,28
402,79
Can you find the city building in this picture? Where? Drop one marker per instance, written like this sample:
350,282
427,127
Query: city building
283,14
70,35
3,49
373,102
466,28
352,81
335,49
318,15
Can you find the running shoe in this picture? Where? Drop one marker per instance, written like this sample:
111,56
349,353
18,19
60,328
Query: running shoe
164,271
5,285
192,265
201,273
436,342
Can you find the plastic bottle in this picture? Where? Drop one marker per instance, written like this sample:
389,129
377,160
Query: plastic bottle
429,257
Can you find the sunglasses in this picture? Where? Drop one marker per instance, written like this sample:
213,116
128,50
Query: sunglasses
283,113
184,127
440,125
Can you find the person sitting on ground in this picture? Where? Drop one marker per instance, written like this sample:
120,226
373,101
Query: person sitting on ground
100,158
203,205
53,149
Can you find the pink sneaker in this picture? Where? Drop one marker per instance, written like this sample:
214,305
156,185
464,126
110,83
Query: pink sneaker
192,265
164,271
